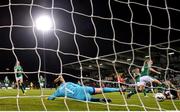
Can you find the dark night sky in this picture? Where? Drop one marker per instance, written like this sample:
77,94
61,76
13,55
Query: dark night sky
22,37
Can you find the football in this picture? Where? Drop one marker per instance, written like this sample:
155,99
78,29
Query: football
160,97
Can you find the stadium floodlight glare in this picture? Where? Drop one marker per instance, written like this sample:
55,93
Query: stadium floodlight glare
43,23
147,56
128,59
171,53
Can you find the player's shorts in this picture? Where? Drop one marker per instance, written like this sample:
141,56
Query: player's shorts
146,79
41,84
141,83
80,93
19,79
6,85
84,93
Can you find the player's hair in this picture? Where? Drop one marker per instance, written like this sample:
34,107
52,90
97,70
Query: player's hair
134,72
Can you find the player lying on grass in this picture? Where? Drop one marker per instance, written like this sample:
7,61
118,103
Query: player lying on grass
19,76
84,93
139,84
171,92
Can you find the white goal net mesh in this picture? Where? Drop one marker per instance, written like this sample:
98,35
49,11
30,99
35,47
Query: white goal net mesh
92,42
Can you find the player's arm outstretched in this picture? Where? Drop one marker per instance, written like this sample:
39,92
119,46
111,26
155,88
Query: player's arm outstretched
75,91
153,70
150,62
59,79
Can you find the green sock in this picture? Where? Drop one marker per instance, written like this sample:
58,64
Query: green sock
160,87
132,92
21,88
144,91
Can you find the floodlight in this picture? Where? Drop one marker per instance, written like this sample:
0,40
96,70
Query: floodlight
171,53
147,56
128,59
43,23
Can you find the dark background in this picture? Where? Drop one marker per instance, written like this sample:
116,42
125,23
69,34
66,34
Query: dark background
133,25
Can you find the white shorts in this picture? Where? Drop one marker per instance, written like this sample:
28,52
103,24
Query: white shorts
19,79
6,85
141,83
137,84
146,79
41,84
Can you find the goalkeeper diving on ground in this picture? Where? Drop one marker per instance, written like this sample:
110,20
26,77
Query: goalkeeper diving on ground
83,93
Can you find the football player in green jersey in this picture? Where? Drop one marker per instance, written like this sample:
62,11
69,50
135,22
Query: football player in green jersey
145,72
138,83
19,76
41,81
6,82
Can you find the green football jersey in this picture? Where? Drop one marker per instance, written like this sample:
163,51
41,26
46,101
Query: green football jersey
6,81
20,70
137,78
145,70
41,80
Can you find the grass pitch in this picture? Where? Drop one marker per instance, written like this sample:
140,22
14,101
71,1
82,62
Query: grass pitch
33,102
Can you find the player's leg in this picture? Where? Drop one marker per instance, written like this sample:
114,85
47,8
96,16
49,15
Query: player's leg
160,86
92,90
178,94
23,85
145,92
140,87
157,82
104,100
131,92
107,90
19,84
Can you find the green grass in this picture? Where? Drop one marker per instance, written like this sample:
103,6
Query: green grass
8,102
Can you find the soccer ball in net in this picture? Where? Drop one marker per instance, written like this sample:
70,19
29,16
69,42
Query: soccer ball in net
160,97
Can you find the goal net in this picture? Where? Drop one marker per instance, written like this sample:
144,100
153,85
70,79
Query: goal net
94,43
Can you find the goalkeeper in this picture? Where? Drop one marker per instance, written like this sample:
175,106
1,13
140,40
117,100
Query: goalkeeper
75,91
19,76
